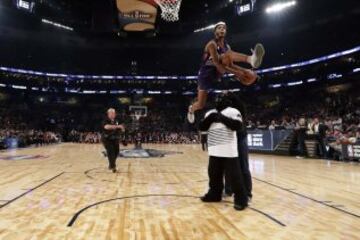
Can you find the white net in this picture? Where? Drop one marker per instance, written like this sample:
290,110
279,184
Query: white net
169,9
138,115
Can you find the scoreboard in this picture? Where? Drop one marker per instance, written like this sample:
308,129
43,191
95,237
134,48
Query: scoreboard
25,5
244,6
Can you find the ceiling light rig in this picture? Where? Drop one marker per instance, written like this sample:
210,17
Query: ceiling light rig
279,7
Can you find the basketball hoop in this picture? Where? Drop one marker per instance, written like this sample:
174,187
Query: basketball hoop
169,9
137,115
137,112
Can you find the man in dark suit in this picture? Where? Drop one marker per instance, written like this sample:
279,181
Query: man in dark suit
111,137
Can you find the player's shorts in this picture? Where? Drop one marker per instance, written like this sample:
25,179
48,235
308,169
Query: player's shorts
208,75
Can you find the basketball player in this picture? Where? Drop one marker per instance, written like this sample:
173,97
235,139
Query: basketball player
223,153
111,137
219,58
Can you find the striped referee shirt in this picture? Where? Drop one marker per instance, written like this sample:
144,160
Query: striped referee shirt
222,141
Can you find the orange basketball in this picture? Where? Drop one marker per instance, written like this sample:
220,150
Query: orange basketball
248,78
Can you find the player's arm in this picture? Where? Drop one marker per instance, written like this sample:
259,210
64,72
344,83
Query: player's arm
234,69
211,47
234,123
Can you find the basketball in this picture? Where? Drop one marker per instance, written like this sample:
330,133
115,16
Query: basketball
248,78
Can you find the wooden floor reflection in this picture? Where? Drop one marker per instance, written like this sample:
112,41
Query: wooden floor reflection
66,192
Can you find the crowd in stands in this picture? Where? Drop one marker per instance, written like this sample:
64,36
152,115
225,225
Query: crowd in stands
333,117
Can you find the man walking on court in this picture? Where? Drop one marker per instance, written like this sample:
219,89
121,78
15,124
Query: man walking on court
111,137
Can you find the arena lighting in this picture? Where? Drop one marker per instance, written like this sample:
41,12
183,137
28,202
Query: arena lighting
18,87
356,70
312,61
117,92
219,91
204,28
260,71
235,90
154,92
312,80
57,24
275,85
88,92
107,77
278,7
77,91
295,83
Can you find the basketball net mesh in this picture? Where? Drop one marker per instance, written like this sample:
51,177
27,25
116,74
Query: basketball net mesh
169,9
138,116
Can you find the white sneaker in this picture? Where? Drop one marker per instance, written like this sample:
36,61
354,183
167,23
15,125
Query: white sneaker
190,115
257,55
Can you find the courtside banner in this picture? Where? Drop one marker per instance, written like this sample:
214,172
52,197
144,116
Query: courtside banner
266,140
351,151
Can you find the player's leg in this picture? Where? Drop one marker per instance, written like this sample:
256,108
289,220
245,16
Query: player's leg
255,60
206,80
197,105
200,101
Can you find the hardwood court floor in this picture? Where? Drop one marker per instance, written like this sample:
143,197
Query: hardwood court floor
69,194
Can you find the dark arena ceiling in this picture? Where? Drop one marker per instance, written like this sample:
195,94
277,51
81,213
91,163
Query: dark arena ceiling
90,38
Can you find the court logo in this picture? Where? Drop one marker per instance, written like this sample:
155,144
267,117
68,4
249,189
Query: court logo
143,153
23,157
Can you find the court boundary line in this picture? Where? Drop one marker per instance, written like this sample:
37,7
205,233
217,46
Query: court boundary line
324,203
31,190
78,213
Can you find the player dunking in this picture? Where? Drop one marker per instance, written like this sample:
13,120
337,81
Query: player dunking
219,58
